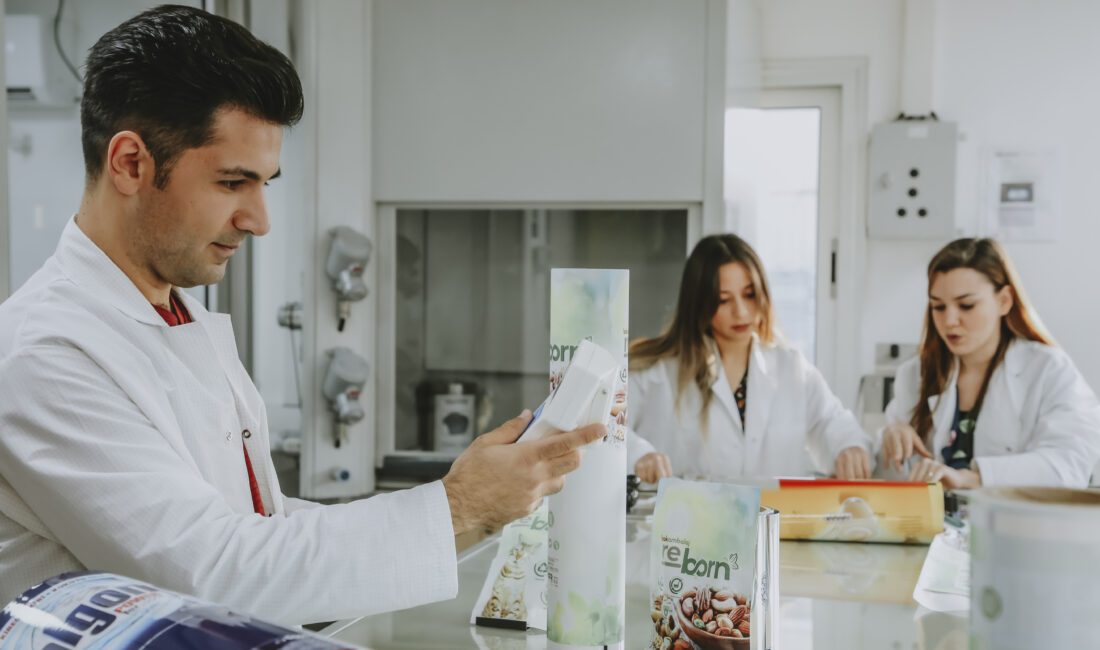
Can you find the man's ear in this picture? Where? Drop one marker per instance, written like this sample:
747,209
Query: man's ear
129,163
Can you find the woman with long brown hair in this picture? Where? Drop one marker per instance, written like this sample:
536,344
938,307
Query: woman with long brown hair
717,394
990,399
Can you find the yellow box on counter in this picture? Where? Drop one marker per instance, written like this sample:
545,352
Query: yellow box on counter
857,511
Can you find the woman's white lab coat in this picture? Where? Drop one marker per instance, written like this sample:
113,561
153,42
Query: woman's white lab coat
1039,423
120,450
794,425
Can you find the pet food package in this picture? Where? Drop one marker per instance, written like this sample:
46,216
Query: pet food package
101,611
514,593
713,560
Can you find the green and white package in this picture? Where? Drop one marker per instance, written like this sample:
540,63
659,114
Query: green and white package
703,565
514,593
587,552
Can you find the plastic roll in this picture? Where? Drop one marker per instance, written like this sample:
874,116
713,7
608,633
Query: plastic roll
586,585
1035,568
586,557
101,611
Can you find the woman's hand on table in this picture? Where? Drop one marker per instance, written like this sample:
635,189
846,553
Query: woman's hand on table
928,470
853,463
899,442
653,467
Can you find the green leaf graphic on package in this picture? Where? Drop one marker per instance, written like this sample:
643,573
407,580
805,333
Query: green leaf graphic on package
590,622
593,622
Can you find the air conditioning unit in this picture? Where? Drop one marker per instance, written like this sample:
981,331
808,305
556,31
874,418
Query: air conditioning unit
33,69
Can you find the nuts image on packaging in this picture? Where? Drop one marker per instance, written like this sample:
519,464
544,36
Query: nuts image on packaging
667,631
713,614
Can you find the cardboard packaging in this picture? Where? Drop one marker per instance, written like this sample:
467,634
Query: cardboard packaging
857,511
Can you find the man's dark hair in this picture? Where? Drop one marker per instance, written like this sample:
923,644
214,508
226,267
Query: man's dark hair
165,72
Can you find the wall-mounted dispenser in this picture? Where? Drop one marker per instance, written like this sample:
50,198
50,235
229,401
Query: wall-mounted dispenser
348,255
347,373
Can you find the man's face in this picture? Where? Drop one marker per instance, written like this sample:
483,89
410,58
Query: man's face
186,233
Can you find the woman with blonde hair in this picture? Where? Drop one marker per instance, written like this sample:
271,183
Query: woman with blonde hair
990,399
718,395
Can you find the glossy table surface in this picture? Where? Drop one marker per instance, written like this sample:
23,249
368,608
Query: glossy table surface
833,596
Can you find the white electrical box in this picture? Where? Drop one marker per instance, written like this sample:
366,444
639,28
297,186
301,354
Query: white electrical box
911,180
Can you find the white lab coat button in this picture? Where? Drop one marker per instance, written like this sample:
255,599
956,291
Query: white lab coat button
228,436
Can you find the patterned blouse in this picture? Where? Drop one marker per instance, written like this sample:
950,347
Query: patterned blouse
960,444
739,396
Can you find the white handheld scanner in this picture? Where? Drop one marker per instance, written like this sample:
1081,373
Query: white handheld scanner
584,396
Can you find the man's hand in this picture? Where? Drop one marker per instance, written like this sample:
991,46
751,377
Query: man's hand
899,442
495,481
653,467
853,463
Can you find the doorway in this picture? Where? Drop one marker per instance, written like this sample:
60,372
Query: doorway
782,163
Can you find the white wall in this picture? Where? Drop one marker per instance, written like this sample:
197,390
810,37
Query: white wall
743,53
572,100
340,86
1015,72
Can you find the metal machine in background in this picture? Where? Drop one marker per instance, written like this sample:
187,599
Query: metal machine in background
877,388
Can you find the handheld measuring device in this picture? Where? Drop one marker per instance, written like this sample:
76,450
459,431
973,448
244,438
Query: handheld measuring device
583,397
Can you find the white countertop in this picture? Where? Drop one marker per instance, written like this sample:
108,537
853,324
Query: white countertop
833,596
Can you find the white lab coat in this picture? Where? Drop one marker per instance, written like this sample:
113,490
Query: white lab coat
794,425
120,450
1039,423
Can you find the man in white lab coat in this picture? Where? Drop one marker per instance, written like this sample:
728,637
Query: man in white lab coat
131,438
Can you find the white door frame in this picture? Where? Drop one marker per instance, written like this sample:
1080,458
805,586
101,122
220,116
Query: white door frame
849,75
